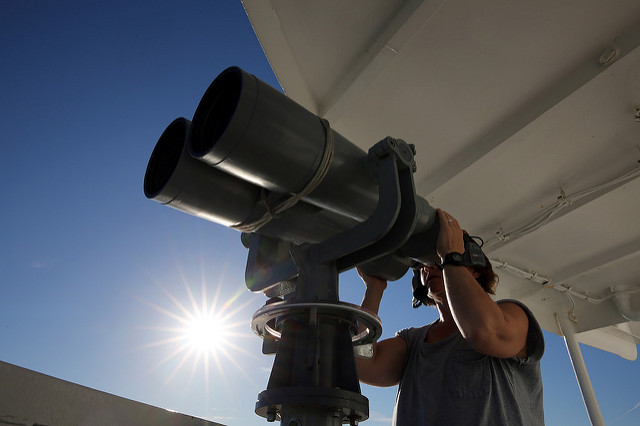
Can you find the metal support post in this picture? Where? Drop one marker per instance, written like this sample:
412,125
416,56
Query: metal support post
580,369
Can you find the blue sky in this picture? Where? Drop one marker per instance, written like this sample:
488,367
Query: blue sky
95,278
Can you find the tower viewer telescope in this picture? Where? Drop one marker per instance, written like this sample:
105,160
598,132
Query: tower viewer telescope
310,204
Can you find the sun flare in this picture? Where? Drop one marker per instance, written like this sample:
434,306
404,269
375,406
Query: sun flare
202,332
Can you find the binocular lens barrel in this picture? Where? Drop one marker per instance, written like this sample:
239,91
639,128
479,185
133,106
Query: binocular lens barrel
247,142
254,132
176,179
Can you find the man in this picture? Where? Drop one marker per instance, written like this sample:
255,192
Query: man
478,364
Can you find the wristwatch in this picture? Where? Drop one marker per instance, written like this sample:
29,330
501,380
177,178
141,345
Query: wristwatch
453,258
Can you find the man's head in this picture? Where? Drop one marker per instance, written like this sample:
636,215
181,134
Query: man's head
431,276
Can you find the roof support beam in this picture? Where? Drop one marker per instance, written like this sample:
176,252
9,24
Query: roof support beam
266,25
617,339
563,88
632,176
603,261
380,53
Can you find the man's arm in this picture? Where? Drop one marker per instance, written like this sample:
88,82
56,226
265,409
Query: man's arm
387,364
495,330
498,330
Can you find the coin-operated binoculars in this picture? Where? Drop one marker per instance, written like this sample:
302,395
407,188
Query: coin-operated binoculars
310,204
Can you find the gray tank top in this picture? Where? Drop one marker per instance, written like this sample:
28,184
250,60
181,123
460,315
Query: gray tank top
448,383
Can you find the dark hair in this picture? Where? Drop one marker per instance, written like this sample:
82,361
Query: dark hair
487,279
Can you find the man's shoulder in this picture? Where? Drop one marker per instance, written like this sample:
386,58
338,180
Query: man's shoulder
518,303
535,338
411,335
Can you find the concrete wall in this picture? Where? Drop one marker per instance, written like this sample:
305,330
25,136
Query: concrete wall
31,398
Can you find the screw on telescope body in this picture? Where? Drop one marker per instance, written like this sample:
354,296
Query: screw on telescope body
271,414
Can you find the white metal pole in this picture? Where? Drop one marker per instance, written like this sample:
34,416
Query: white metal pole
580,369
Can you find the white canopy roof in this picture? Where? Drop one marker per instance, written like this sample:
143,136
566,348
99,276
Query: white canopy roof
526,122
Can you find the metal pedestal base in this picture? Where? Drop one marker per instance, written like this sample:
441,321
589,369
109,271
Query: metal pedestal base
310,406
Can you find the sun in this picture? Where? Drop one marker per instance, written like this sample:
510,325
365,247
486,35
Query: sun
207,332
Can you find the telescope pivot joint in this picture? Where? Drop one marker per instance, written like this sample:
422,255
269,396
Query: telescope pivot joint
402,151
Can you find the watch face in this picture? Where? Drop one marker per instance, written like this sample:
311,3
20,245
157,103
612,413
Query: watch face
453,258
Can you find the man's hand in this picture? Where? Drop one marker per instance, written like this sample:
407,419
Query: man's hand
450,235
372,282
373,293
